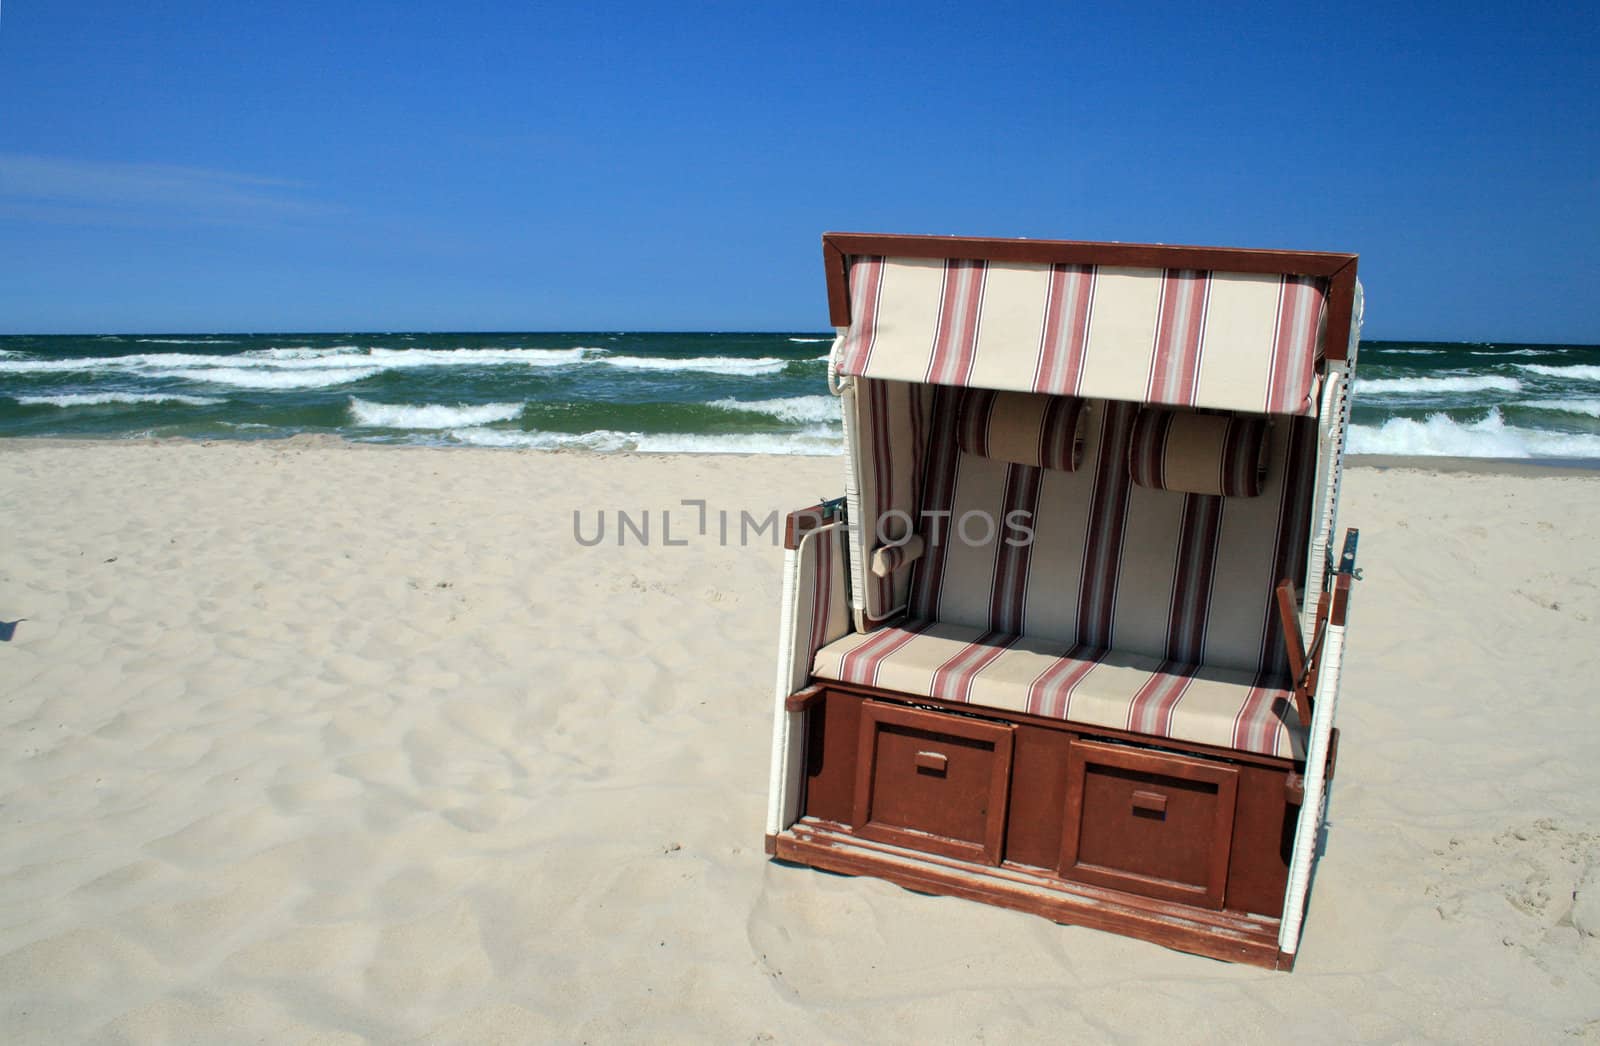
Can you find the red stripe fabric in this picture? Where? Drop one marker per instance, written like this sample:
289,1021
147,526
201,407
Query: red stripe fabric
1191,583
977,411
861,665
952,681
1008,593
1051,693
1175,364
1065,332
1151,710
866,284
1300,301
883,456
1108,517
938,496
822,590
1148,452
955,339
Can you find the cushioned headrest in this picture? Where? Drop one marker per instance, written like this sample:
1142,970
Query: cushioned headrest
1024,427
1199,453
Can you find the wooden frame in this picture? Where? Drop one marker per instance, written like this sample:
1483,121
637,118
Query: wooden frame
1338,268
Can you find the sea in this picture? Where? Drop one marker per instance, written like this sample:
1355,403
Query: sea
762,393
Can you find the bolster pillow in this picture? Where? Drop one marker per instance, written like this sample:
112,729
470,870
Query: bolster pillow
1199,453
886,559
1028,428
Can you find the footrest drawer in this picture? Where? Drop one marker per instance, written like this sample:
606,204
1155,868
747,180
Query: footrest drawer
933,782
1148,822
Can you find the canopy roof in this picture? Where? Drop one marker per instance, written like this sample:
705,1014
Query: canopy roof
1199,327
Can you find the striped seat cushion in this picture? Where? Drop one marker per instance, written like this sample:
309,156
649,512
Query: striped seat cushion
1228,708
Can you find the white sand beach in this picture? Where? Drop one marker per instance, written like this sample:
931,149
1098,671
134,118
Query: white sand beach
305,741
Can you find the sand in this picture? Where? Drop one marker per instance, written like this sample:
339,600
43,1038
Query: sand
303,741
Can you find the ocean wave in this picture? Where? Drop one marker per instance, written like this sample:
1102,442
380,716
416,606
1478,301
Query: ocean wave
809,341
430,415
185,341
791,408
245,378
1489,437
1511,352
306,358
1588,407
731,365
1574,371
1426,386
1410,352
99,399
816,440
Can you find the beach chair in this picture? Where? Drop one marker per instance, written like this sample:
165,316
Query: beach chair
1070,642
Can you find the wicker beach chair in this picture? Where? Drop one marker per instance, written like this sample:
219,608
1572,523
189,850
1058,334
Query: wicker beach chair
1071,641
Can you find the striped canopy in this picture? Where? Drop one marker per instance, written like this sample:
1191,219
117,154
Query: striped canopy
1181,337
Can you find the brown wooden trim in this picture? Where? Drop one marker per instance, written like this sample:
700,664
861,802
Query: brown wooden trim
1341,312
836,265
1294,789
1340,608
1294,647
801,522
1333,754
838,247
771,846
1090,732
1219,935
802,700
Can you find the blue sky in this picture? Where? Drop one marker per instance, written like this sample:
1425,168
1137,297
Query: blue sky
190,166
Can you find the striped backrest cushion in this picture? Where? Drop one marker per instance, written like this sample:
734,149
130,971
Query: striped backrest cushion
1090,559
1199,453
1023,427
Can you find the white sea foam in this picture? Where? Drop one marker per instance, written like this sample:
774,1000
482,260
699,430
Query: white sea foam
185,341
603,440
809,341
98,399
812,441
1428,386
815,440
306,358
1509,352
1411,352
731,365
1489,437
245,378
1589,407
791,408
430,415
1573,372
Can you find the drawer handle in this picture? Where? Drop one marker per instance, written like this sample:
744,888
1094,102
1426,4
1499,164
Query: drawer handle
1154,802
933,762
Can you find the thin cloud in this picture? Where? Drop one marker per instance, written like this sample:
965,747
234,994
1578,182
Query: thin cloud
85,191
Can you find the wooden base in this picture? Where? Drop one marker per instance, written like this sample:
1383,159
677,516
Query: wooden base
1188,848
1216,934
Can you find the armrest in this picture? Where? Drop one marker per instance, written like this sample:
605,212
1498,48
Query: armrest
1332,608
887,559
803,521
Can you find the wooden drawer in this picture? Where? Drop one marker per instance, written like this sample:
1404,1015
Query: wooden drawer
932,782
1148,822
